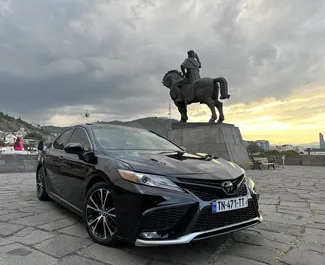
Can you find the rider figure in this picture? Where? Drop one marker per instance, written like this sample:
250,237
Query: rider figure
192,66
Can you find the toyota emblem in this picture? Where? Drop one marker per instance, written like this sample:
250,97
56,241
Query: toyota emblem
227,186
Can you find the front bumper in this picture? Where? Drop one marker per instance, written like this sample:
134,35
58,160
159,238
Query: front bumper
199,235
178,218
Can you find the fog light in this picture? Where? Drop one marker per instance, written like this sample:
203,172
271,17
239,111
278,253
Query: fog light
149,235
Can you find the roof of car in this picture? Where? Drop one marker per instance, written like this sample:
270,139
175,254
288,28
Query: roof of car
106,124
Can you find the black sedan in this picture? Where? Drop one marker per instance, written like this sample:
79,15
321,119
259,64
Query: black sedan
133,185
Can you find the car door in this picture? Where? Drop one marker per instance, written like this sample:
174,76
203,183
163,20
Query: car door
53,162
75,170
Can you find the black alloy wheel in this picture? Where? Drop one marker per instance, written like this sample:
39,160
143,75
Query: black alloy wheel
99,215
40,185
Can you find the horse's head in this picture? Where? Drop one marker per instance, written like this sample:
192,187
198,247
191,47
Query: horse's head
171,77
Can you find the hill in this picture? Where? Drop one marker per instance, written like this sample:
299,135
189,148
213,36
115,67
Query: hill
11,124
159,125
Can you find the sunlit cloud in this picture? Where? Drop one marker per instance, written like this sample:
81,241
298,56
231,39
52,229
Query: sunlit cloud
296,119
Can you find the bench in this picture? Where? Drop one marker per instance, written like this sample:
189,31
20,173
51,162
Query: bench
259,162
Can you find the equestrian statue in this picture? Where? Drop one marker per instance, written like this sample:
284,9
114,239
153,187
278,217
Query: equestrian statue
188,87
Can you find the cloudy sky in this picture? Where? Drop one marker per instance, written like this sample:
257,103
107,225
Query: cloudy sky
59,58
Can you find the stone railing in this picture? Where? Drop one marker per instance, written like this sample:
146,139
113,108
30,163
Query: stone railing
14,163
301,160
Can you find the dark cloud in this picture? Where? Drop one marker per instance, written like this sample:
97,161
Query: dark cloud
110,56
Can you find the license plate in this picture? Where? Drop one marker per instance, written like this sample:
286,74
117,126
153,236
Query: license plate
230,204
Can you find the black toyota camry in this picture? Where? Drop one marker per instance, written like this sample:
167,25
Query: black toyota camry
133,185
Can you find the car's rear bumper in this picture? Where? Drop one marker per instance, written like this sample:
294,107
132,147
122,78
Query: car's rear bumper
200,235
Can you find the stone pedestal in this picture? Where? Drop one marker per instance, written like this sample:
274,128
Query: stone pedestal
222,140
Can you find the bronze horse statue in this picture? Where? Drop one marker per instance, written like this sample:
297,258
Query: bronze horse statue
204,91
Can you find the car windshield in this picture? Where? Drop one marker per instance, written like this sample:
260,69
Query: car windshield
119,138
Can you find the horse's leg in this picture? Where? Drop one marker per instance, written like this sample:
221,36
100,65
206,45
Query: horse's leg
219,106
210,103
182,110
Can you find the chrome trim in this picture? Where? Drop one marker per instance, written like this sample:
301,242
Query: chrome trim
188,238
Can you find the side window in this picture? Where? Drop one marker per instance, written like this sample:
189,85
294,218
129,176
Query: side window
80,136
62,140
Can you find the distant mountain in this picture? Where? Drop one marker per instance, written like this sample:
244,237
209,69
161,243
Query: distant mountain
156,124
311,145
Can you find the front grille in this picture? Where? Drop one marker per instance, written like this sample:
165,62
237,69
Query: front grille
242,191
209,182
204,196
208,220
163,219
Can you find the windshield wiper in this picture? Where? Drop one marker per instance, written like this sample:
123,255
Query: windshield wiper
177,152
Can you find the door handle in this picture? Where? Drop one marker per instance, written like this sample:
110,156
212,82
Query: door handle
61,158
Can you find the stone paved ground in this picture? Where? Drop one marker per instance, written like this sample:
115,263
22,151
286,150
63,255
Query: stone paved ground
292,201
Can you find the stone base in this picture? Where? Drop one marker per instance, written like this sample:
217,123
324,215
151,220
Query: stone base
222,140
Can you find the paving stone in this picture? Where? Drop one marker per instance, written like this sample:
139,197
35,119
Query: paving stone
30,236
112,255
258,253
75,230
8,229
56,225
317,206
39,219
63,245
314,238
286,219
5,241
295,209
286,229
294,204
320,248
76,259
231,260
15,254
182,254
300,257
13,216
273,240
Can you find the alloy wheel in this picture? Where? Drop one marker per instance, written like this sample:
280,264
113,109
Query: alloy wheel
40,182
100,214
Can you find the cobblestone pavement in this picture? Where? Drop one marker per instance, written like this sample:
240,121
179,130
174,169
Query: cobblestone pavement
293,232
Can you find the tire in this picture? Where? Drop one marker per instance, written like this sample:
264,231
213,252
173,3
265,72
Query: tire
100,222
40,185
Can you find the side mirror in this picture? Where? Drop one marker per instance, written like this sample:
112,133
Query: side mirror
74,148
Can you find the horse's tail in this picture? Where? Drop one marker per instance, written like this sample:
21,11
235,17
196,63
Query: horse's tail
223,87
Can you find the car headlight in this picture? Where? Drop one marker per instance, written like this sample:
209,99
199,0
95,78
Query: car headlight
149,180
250,183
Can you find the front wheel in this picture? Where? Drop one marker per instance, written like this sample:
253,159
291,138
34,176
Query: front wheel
40,185
99,215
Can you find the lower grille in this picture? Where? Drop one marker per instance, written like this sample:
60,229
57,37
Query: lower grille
163,219
208,220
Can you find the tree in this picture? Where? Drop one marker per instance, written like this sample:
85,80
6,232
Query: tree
34,135
290,153
254,148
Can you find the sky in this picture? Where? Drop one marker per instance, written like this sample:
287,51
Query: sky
60,58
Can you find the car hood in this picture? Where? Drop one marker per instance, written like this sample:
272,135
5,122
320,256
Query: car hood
173,164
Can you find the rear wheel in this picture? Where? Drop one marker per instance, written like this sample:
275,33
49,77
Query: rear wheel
40,185
99,215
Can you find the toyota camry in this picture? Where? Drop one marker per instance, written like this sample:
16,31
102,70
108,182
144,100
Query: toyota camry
133,185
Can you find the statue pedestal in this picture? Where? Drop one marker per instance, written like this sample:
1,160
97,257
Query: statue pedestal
222,140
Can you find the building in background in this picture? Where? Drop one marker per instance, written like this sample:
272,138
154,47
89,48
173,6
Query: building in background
264,144
319,152
321,141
